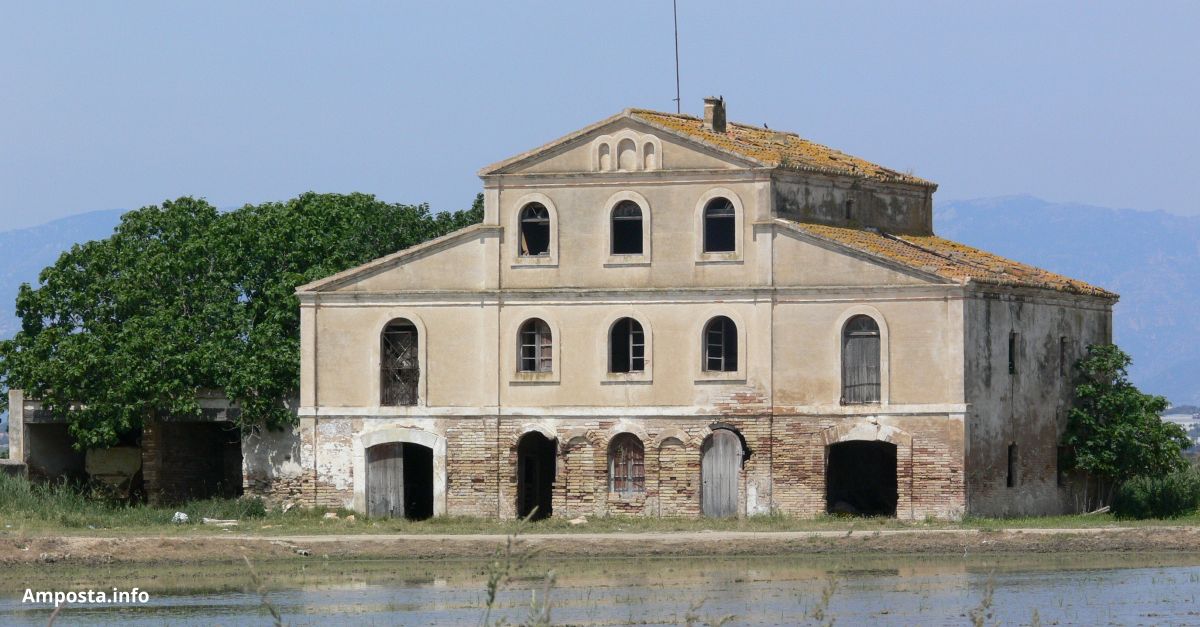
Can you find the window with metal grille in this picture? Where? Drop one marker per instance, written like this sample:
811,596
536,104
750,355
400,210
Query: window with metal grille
1012,352
720,345
400,371
720,226
860,361
627,228
626,347
536,350
626,465
535,230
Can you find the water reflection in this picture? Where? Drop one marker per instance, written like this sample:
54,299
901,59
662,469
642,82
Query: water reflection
882,590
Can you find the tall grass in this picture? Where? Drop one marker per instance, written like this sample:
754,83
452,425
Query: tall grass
38,506
60,504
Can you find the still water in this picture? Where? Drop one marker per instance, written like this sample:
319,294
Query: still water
872,590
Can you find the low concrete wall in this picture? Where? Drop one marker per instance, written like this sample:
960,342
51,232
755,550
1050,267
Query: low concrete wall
12,467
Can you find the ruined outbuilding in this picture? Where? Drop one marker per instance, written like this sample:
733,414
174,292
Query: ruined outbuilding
672,315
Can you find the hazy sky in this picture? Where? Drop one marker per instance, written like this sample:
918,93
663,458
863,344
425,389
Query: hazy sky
118,105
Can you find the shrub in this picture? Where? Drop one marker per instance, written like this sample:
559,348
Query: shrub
1167,496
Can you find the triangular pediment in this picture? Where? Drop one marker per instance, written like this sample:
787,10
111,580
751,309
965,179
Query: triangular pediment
458,261
621,144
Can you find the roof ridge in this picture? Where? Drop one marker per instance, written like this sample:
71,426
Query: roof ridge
946,258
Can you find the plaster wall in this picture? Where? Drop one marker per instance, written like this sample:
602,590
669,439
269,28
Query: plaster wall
1027,407
895,208
921,346
672,209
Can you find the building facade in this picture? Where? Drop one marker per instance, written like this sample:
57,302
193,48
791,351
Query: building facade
668,315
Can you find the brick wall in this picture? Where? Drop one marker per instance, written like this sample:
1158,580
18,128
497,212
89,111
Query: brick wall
188,460
784,472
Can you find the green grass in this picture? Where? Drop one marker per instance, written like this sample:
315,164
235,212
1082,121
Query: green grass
54,508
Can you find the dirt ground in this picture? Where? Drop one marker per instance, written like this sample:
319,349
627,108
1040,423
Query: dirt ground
232,547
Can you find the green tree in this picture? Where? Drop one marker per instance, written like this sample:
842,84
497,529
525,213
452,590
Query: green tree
1114,430
183,298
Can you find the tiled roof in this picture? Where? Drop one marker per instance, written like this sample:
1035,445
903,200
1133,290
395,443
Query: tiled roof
776,148
948,259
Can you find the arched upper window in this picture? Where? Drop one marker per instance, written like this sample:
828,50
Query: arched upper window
536,347
626,464
626,346
535,230
860,361
399,368
627,228
720,226
720,345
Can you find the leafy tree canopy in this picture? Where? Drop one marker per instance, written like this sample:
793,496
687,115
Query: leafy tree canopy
183,298
1113,429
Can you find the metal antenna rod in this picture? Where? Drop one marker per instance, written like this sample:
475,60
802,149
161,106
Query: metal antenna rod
675,10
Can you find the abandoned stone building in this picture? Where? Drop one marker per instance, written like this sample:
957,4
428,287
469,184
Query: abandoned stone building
670,315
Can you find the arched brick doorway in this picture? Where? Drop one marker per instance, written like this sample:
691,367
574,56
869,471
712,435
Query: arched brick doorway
400,480
535,475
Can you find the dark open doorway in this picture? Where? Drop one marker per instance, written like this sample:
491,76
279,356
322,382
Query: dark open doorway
860,478
535,475
400,480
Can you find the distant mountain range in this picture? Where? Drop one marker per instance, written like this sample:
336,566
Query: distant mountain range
24,252
1151,258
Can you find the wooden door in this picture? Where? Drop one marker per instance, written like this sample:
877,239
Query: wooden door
720,460
385,480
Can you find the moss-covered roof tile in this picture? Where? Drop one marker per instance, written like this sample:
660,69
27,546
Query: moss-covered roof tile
777,148
948,259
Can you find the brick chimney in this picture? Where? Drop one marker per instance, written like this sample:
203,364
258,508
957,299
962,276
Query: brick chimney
714,114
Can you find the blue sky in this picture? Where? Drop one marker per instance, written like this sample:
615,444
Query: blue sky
118,105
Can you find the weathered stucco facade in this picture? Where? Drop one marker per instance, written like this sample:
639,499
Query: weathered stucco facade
827,258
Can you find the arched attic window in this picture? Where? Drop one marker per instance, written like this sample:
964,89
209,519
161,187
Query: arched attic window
626,464
860,361
536,347
720,345
626,346
720,226
627,228
535,230
399,368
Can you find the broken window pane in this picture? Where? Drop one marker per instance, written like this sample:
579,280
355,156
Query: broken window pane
399,369
627,228
627,347
535,230
719,226
536,347
720,345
